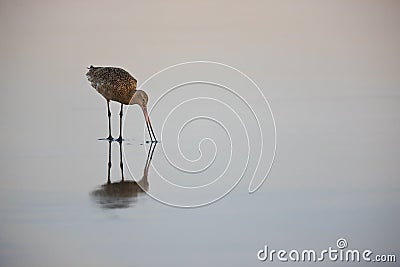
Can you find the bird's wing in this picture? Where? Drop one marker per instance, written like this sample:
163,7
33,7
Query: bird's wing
110,76
113,83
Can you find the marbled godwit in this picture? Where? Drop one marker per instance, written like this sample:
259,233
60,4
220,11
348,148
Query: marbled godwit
116,84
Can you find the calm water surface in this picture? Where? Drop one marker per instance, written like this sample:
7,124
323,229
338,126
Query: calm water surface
57,208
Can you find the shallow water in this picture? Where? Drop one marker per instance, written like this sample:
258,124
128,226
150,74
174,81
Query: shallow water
336,104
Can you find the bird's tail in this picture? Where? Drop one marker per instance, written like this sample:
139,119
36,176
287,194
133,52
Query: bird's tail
90,74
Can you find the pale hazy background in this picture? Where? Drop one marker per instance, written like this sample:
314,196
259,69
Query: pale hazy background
330,70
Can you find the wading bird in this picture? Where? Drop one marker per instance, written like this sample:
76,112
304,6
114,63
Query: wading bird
116,84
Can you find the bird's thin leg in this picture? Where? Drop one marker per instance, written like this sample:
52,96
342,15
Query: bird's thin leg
109,121
121,164
120,124
109,162
151,128
148,129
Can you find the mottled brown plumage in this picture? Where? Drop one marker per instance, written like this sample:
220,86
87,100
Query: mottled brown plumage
113,83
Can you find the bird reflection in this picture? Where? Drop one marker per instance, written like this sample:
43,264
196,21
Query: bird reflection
118,195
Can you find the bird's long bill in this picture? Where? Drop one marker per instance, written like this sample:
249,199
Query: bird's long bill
148,123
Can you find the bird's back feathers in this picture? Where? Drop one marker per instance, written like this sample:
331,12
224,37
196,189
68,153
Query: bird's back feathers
113,83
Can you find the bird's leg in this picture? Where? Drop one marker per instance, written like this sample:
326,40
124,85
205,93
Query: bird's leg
121,164
120,124
109,121
148,129
151,128
109,162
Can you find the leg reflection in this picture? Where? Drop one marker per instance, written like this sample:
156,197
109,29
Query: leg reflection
121,164
109,162
124,193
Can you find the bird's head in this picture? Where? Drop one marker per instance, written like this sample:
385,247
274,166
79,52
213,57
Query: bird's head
139,98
